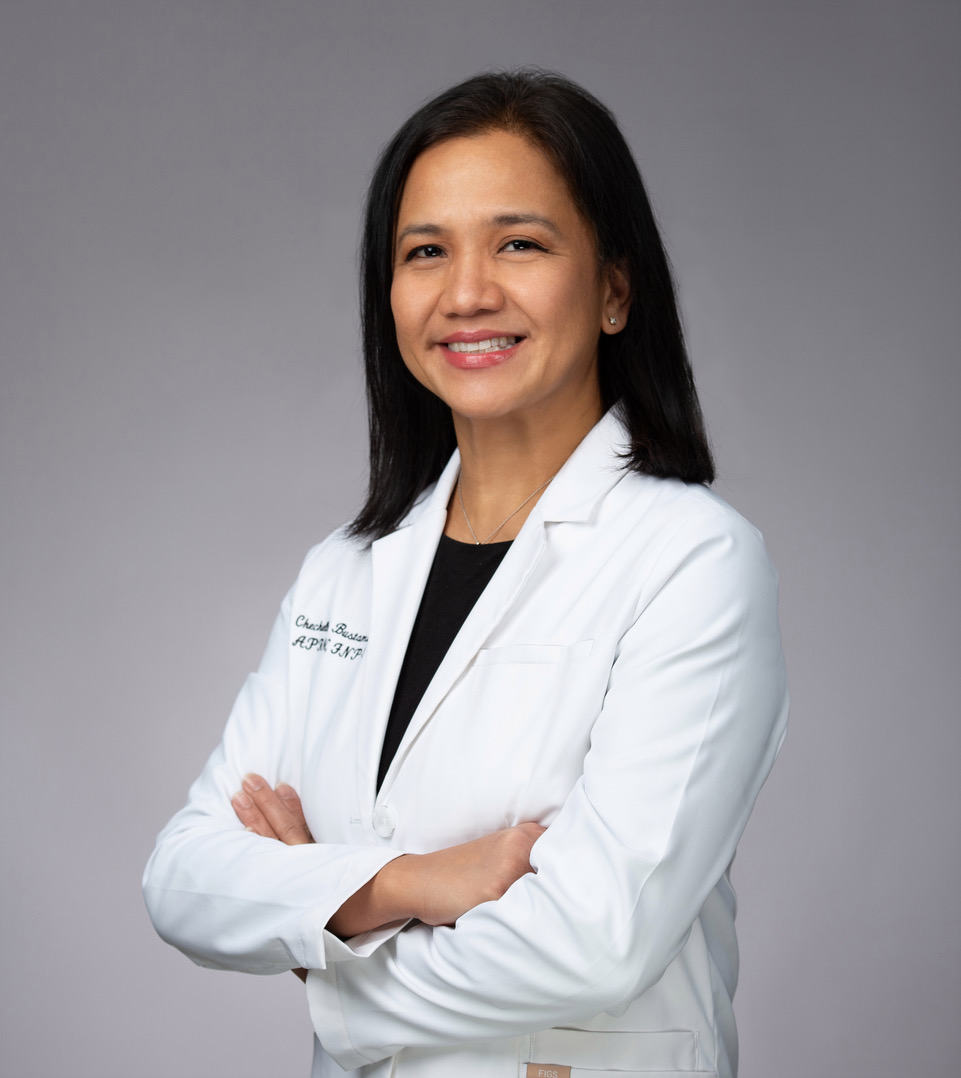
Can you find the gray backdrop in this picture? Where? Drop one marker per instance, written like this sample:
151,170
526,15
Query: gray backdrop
182,416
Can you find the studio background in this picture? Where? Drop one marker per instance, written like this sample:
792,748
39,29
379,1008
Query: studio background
182,417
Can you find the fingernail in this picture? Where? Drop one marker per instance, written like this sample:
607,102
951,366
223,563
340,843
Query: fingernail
285,791
241,800
253,782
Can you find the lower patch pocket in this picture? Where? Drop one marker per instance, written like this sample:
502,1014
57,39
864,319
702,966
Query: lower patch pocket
579,1053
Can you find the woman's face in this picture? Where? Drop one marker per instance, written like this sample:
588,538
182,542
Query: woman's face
497,295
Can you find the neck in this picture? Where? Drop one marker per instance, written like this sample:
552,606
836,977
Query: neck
502,464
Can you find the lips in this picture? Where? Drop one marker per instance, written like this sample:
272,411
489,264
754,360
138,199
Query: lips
479,349
491,344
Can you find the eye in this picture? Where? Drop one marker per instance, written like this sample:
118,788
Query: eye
425,250
522,245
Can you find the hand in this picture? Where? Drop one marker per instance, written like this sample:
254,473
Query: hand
439,887
271,813
446,884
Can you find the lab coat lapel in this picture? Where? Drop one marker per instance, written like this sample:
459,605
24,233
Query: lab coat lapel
591,471
400,562
490,608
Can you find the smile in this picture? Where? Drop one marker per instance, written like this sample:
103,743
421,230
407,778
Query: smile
494,344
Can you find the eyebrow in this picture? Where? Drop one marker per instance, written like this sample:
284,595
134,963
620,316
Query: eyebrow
506,220
501,220
419,230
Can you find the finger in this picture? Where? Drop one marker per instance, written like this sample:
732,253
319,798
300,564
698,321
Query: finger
288,795
286,826
250,815
290,798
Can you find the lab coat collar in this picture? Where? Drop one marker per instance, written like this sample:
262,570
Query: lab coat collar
585,477
588,473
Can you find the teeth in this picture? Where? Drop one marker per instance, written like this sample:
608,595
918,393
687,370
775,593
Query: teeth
495,344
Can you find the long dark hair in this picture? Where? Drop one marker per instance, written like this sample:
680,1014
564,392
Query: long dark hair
643,370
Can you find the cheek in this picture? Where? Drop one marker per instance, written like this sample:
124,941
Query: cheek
411,314
572,298
587,310
399,308
405,330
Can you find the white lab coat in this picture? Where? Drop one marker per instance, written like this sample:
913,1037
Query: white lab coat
620,680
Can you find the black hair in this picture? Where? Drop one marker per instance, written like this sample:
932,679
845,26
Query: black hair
643,370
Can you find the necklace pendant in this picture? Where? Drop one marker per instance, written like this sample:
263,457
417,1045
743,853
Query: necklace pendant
463,508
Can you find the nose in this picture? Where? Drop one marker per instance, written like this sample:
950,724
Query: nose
471,286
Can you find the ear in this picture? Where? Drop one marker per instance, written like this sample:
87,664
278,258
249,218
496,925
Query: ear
617,298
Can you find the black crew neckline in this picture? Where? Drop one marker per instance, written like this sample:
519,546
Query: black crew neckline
447,540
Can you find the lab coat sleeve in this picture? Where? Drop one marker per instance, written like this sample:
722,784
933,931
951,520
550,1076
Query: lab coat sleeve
230,899
690,725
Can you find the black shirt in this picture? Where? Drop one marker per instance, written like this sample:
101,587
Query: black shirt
459,574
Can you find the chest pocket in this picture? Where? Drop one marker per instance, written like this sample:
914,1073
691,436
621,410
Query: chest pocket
534,653
506,745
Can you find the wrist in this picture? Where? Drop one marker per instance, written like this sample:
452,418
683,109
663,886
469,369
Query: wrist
395,894
385,898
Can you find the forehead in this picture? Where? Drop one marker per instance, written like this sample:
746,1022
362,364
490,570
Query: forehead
491,173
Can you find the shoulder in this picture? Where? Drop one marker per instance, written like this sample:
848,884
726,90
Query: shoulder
338,558
341,551
686,536
338,544
675,511
648,510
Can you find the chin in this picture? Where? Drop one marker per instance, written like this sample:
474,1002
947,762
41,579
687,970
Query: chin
481,411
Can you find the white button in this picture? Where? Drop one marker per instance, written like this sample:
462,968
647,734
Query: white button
385,820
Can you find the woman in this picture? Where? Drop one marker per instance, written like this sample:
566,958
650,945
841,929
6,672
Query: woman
540,618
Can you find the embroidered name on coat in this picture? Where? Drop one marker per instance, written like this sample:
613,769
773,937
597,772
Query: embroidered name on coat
318,635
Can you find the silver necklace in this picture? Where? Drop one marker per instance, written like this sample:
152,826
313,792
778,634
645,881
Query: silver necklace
483,542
